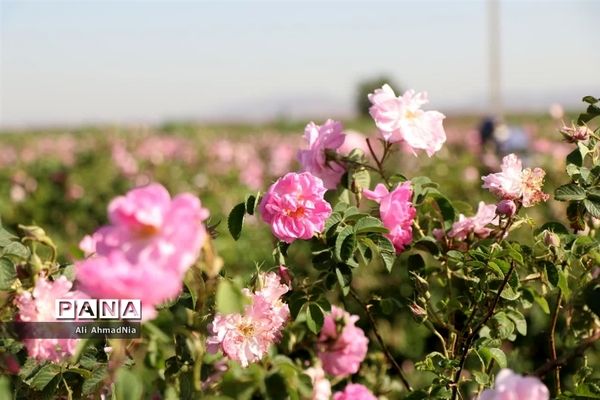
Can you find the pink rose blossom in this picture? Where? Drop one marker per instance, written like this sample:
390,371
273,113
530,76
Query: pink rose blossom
150,227
321,385
38,306
341,350
294,207
246,337
477,224
511,386
115,277
516,183
354,391
328,136
507,208
396,211
401,119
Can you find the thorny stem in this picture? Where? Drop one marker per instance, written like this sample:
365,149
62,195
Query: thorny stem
552,342
379,162
562,361
385,349
469,340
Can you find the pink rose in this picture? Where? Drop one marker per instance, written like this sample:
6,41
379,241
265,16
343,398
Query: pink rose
150,227
38,306
115,277
246,337
354,391
401,119
294,207
477,224
328,136
320,383
396,211
516,183
516,387
341,350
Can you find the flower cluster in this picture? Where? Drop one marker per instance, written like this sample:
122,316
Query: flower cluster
354,391
146,249
38,306
294,207
342,345
401,119
515,387
328,136
396,211
246,337
514,183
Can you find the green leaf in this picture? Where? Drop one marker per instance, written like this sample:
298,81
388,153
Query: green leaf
236,220
491,353
543,303
502,325
555,227
552,273
590,100
481,377
569,192
228,299
369,225
15,249
8,275
6,237
575,158
446,208
344,277
361,180
387,252
43,376
592,206
314,317
251,204
345,244
128,385
519,320
91,384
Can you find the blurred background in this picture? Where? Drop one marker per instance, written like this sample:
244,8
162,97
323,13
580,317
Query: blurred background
212,97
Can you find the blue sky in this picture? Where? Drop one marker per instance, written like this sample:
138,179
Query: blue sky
115,61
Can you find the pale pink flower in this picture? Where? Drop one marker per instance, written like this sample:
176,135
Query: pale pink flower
294,207
354,391
533,180
396,211
341,350
114,276
247,337
477,224
506,184
38,306
327,137
354,140
507,208
511,386
401,119
516,183
321,385
148,226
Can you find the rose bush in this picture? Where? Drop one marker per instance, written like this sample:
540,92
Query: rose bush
507,306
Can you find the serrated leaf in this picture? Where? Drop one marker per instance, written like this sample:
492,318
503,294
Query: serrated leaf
97,376
492,353
251,204
15,249
235,221
314,318
519,320
345,244
592,206
369,225
590,99
8,275
569,192
43,376
344,277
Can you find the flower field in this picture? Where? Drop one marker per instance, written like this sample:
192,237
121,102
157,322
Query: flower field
392,257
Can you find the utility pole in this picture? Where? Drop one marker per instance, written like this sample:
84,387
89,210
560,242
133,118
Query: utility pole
496,108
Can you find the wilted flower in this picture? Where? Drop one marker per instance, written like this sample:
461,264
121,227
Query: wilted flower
477,224
401,119
321,385
294,207
574,133
396,211
516,387
327,137
342,345
515,183
38,306
354,391
246,337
